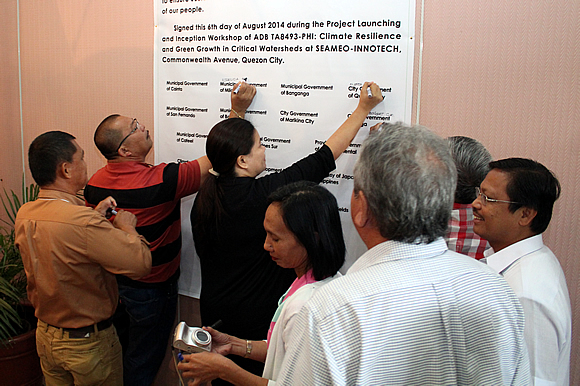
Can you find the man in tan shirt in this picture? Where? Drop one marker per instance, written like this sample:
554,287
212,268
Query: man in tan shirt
71,254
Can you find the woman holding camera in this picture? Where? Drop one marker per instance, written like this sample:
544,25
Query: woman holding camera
240,283
303,232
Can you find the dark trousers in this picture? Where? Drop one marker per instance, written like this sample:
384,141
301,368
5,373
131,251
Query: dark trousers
144,322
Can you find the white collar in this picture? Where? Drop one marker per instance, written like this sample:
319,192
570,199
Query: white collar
501,260
393,250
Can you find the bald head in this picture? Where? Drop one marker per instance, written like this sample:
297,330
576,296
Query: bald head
108,136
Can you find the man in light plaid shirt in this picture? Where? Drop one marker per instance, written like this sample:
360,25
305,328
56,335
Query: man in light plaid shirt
472,161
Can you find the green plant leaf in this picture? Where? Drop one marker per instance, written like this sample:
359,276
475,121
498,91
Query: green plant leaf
10,321
12,275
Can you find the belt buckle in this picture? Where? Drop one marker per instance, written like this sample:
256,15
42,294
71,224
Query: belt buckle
78,334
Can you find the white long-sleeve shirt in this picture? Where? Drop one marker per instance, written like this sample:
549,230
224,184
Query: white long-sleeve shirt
410,314
535,275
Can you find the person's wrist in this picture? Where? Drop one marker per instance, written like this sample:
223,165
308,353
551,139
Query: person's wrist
238,346
249,348
363,110
238,113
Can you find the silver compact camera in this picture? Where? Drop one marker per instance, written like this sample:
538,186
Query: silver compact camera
191,339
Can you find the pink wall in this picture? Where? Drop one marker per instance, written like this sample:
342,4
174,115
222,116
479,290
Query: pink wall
82,61
508,74
11,150
504,72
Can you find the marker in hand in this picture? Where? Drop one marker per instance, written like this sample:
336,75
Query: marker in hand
110,212
238,88
369,92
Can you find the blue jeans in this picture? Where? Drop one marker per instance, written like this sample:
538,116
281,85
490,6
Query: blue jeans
145,322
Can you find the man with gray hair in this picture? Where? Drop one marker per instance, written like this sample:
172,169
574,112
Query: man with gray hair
472,162
409,311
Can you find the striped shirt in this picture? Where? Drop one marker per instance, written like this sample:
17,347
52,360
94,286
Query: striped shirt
414,315
153,194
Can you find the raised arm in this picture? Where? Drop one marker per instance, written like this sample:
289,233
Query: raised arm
343,136
242,99
204,166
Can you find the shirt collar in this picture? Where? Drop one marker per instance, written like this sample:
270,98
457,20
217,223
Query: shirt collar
307,278
125,167
50,194
501,260
395,250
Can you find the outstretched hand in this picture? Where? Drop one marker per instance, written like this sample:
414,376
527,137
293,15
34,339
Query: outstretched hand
242,99
369,102
343,136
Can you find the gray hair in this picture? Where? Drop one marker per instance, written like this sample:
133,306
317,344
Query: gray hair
408,176
472,162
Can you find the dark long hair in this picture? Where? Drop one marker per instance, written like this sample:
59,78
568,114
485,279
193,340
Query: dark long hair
311,213
226,141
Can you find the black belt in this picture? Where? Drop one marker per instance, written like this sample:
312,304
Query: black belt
84,332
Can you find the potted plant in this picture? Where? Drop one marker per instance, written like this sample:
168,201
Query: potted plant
19,363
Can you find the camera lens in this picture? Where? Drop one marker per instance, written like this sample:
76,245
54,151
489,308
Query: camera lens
202,337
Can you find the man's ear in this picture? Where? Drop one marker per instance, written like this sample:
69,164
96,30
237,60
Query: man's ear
526,216
360,216
64,170
124,152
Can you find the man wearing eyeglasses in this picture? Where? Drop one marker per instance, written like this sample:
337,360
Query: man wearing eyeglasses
512,209
153,194
408,311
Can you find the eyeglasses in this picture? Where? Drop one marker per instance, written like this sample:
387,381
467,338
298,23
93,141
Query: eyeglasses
137,126
485,199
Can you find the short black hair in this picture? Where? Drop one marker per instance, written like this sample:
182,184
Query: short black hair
47,152
108,138
311,213
530,185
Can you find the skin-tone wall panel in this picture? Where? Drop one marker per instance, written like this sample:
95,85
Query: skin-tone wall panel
82,61
11,153
506,73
